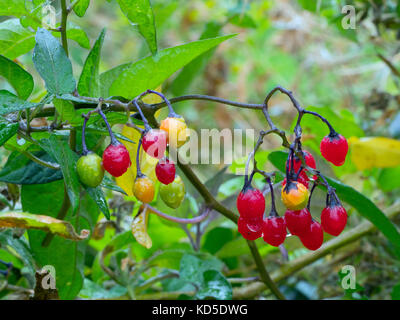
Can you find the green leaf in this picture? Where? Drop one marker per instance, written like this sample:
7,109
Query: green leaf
396,289
21,81
12,8
81,7
15,40
140,13
110,184
52,63
26,220
109,76
21,170
215,286
389,179
92,290
77,34
11,103
97,195
361,203
150,72
192,267
183,81
89,82
66,256
21,247
7,130
66,158
65,109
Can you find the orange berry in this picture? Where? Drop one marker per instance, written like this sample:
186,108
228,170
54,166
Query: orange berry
143,189
176,129
295,195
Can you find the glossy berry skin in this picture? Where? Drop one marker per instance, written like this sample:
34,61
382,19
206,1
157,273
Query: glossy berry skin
90,169
143,189
309,159
334,148
274,231
295,196
154,143
298,222
176,131
173,194
116,159
334,219
302,178
250,203
250,231
165,171
314,237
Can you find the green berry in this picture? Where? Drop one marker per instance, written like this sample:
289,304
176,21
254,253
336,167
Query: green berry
90,169
173,194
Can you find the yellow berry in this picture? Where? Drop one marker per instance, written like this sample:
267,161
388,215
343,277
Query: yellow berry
295,195
176,129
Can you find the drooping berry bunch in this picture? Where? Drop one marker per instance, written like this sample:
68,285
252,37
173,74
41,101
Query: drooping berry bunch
295,193
116,159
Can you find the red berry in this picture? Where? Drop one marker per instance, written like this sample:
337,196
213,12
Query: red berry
165,171
251,203
302,178
154,142
333,219
334,148
116,159
274,230
251,231
298,222
314,237
309,159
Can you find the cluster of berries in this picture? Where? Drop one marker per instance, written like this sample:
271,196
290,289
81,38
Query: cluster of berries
296,197
116,160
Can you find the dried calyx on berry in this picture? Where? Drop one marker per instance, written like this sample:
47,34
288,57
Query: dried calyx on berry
116,158
250,203
334,148
334,216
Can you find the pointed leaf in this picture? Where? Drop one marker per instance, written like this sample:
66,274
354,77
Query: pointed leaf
11,103
98,196
21,170
52,63
140,13
139,229
15,40
109,76
150,72
7,130
89,82
34,221
21,81
81,7
66,158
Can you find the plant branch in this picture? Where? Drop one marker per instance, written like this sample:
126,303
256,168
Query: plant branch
64,15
